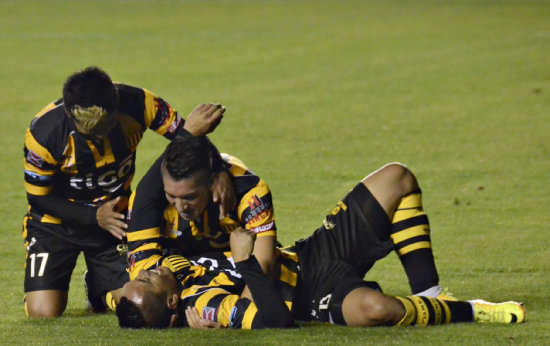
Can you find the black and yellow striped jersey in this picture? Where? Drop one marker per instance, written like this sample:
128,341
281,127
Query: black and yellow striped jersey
212,285
148,236
79,172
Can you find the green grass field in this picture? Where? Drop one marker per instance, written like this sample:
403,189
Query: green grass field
318,94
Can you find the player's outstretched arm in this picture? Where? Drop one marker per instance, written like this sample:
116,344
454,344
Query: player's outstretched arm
272,310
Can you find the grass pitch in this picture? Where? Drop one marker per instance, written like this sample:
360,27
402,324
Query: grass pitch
319,93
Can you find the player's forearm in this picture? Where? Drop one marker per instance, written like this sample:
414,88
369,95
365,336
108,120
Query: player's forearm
64,209
264,251
272,311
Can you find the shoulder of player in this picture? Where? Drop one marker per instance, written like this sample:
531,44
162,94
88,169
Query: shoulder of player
131,100
244,180
50,128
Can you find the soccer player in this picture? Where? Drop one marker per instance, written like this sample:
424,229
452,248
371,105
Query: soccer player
182,179
400,219
80,154
320,277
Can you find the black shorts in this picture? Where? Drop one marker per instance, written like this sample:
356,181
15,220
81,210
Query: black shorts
330,282
336,257
52,251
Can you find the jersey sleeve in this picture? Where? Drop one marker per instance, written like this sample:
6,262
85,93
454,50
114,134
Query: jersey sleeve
255,207
161,117
145,211
256,212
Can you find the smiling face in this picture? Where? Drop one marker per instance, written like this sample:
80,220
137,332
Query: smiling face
157,282
154,292
189,196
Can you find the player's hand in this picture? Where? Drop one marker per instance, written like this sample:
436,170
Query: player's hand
196,322
224,194
204,119
110,219
242,244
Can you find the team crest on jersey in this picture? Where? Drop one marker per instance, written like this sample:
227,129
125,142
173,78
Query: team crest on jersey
209,313
258,208
164,113
35,159
162,108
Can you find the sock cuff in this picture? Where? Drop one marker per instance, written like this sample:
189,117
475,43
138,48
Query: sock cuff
410,312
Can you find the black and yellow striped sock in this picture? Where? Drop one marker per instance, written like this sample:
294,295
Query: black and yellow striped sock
410,234
424,311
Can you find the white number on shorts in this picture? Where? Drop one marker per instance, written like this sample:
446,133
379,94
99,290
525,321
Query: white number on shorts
44,260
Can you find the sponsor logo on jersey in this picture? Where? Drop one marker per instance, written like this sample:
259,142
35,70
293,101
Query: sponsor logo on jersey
109,181
263,228
175,124
258,208
164,114
254,202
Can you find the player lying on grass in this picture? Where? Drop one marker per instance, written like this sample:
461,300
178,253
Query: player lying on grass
395,221
320,277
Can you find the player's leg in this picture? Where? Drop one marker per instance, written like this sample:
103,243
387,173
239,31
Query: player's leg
398,193
106,274
50,261
45,303
365,307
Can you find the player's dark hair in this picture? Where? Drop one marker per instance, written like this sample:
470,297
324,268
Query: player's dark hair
90,87
130,315
187,155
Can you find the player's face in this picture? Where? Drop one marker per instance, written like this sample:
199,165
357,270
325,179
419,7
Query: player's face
156,282
189,196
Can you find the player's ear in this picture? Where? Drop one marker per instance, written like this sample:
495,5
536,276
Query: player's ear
172,301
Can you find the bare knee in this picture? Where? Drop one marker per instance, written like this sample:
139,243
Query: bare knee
394,178
400,175
364,307
45,304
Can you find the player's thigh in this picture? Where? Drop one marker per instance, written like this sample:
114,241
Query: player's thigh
389,183
357,231
50,259
107,269
326,284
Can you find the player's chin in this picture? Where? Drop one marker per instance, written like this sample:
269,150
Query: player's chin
187,216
